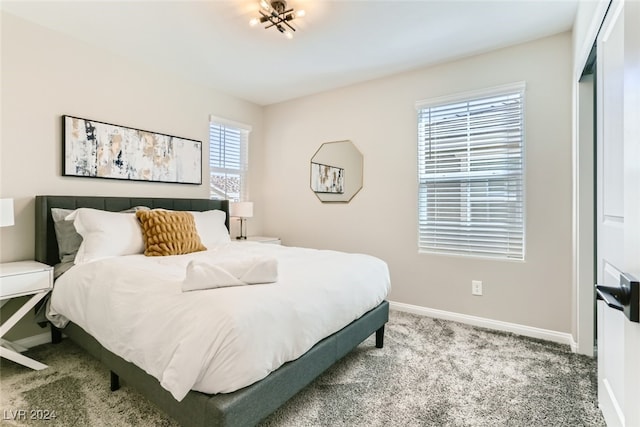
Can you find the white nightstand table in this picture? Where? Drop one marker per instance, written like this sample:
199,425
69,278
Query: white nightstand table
264,239
19,279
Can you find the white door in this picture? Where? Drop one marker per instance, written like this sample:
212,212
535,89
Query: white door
618,207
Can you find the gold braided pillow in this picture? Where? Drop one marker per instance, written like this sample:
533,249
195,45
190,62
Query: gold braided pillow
169,233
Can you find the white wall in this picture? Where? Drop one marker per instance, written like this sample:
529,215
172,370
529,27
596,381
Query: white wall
379,117
46,74
589,16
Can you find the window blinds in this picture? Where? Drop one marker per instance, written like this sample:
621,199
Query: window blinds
471,180
228,161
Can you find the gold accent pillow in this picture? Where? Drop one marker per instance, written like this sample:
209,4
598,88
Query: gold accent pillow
169,233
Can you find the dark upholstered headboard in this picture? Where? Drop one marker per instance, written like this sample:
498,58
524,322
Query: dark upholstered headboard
46,243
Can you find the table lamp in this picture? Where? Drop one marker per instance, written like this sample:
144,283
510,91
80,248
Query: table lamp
241,210
6,212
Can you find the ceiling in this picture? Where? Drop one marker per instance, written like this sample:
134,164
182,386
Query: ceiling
337,43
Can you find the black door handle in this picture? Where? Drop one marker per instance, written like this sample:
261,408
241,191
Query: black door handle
625,297
613,296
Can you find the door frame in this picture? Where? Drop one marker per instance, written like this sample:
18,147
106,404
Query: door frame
583,269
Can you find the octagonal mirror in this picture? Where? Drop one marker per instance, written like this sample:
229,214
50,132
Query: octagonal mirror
336,171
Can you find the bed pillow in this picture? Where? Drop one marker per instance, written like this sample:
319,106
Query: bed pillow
106,234
211,228
69,240
169,232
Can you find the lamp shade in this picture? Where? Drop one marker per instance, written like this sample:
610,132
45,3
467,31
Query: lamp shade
241,209
6,212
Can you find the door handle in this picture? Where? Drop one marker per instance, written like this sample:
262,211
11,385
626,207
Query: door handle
613,296
625,297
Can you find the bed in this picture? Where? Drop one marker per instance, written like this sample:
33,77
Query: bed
243,407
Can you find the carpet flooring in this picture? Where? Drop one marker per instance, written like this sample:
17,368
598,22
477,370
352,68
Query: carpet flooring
430,373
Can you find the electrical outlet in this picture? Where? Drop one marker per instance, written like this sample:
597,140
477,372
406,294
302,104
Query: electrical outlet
476,287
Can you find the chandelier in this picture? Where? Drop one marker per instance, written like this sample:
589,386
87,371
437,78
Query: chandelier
275,14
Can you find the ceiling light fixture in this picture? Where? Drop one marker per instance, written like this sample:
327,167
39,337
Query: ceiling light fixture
275,13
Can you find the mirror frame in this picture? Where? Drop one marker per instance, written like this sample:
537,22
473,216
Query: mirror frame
342,165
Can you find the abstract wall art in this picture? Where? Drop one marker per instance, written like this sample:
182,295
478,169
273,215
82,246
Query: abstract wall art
102,150
327,179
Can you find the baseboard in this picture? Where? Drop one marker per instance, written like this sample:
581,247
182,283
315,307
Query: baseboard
528,331
32,341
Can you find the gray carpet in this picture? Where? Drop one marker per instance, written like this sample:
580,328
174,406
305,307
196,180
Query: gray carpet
430,373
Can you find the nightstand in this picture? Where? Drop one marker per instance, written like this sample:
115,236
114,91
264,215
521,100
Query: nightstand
263,239
19,279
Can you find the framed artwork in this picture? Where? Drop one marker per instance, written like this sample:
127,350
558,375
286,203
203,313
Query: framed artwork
101,150
327,179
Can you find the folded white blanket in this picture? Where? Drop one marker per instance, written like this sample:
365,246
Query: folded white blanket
248,271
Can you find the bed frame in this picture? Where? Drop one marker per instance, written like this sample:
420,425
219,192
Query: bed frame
244,407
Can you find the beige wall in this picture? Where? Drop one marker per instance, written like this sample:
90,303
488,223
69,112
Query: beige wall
379,117
46,74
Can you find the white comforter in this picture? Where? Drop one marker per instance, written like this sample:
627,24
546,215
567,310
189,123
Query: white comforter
218,340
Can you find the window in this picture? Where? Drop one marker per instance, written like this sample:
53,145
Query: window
471,174
228,159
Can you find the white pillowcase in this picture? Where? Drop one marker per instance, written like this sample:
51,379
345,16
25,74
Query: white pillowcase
106,234
211,228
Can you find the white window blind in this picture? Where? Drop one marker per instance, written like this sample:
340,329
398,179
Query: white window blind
228,159
471,174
